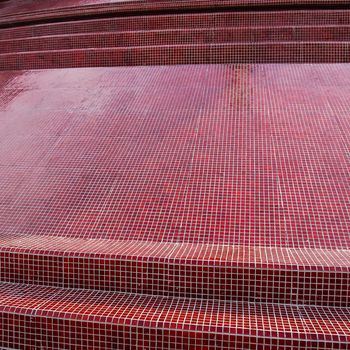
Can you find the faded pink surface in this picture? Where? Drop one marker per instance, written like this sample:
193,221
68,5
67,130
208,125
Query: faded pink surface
233,154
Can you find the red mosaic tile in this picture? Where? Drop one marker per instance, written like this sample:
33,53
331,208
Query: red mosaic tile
81,319
200,271
239,22
227,37
282,52
174,37
174,206
227,172
14,12
75,197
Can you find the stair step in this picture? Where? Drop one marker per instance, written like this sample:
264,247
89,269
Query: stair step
225,272
185,207
183,21
44,317
267,52
52,12
176,37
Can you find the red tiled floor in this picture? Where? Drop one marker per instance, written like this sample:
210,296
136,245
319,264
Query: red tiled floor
201,206
215,162
234,176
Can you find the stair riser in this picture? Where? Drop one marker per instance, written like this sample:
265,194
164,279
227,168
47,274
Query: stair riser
183,21
205,36
170,55
35,332
180,279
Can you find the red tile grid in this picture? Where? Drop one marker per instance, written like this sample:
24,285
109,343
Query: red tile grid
14,11
281,52
68,318
227,37
222,170
180,39
175,37
197,201
227,165
230,20
267,274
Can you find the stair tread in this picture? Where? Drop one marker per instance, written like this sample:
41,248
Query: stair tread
45,12
176,30
173,46
153,38
185,21
304,259
259,319
223,272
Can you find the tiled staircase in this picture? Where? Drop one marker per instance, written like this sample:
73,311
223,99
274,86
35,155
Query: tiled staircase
196,206
320,36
